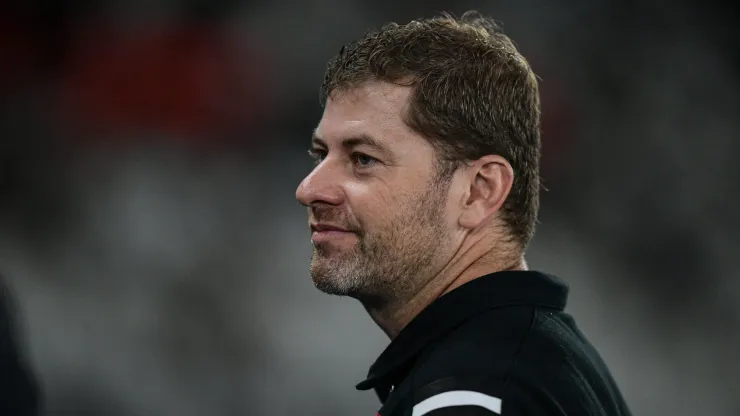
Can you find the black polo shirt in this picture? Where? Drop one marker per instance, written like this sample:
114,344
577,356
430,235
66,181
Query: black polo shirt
500,344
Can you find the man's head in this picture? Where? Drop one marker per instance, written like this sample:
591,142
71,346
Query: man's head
429,138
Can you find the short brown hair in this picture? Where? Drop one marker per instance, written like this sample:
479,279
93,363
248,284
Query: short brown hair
473,94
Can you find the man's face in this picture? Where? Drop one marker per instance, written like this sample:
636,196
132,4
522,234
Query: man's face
379,217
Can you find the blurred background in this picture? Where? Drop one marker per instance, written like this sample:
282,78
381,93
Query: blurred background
150,150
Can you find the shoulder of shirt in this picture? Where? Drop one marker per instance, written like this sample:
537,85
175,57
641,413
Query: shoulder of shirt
521,341
523,359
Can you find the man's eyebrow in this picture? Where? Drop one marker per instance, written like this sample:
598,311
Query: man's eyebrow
355,141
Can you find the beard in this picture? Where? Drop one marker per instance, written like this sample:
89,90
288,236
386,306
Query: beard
389,261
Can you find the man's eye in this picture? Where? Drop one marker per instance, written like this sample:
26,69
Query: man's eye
317,155
364,160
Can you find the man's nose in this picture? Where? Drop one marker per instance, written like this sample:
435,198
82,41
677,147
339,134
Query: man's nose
321,186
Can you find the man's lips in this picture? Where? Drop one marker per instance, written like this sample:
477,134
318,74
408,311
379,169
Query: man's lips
325,232
320,227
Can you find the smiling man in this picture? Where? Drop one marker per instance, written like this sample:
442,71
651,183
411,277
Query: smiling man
422,202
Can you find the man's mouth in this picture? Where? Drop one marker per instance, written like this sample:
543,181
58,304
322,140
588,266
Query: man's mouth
321,232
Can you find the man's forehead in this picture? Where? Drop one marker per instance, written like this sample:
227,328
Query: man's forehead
373,109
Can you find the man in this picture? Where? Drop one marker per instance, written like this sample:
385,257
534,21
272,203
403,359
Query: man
18,389
421,204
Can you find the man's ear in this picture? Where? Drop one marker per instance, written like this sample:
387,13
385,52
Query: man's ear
490,181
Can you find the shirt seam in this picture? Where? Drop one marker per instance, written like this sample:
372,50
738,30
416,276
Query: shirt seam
525,338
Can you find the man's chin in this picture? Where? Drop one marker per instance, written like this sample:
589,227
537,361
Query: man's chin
333,283
332,286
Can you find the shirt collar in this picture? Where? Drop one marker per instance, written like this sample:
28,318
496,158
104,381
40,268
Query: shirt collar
507,288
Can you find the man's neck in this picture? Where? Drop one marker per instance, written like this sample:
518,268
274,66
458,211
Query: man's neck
392,317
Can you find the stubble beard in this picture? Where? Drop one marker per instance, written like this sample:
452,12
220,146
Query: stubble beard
390,263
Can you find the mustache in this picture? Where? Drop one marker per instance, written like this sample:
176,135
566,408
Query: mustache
334,217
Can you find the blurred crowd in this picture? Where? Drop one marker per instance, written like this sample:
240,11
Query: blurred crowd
150,150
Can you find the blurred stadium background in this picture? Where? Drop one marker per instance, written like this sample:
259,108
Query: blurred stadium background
150,150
